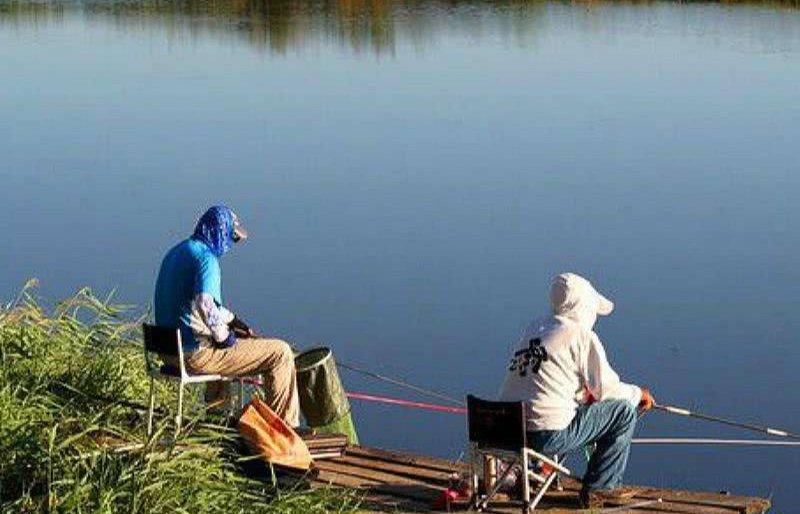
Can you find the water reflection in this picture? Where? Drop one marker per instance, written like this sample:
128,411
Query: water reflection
281,25
376,26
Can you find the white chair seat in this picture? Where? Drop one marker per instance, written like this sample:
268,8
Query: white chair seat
167,341
196,379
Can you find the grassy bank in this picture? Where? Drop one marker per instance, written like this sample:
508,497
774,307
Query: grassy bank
57,432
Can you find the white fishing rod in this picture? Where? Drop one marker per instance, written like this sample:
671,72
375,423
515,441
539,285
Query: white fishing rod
722,442
747,426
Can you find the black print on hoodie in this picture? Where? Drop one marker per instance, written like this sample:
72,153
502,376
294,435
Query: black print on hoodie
530,357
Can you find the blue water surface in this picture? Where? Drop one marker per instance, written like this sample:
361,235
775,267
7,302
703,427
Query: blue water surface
413,173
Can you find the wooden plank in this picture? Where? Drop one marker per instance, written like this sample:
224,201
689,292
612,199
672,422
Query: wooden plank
568,500
335,478
387,503
737,503
381,476
326,440
431,463
404,470
742,504
321,455
571,496
424,496
421,497
515,509
379,482
678,508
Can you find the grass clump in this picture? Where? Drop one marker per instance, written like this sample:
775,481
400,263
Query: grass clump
70,441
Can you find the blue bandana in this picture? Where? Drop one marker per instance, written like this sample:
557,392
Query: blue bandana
215,229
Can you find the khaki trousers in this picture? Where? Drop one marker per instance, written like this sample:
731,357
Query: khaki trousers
271,358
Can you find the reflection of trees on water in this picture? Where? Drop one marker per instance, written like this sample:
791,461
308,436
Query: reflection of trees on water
278,25
360,25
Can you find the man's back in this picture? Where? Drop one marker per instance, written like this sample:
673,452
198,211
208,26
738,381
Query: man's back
187,269
545,371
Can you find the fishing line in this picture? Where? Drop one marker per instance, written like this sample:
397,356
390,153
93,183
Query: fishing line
394,381
401,383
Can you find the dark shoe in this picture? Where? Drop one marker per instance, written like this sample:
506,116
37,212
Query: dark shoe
597,499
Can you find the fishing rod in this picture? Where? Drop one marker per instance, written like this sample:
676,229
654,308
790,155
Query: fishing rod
747,426
701,440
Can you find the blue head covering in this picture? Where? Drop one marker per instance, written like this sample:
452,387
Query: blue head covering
215,229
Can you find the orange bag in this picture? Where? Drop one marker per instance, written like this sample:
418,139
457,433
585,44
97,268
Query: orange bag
268,435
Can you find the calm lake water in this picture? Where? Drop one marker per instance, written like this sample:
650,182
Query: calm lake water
413,173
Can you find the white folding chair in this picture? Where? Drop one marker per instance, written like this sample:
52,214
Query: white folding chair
498,429
166,341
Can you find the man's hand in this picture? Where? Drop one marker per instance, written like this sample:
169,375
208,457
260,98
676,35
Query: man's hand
240,328
647,401
248,334
588,397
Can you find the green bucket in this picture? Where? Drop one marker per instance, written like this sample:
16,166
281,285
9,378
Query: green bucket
323,400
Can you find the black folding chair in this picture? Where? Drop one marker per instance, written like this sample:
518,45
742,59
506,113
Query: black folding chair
498,429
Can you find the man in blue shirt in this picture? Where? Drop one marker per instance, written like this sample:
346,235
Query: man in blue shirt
188,296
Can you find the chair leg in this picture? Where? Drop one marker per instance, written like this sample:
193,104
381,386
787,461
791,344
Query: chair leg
473,474
179,415
554,477
543,489
526,485
151,408
497,485
558,485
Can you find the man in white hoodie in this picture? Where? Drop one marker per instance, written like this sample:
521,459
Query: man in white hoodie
575,398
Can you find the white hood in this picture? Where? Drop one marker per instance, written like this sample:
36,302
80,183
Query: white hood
574,297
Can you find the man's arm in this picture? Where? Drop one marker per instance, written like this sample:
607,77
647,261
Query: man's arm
216,318
601,380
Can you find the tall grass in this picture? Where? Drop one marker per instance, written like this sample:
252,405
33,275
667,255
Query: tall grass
65,448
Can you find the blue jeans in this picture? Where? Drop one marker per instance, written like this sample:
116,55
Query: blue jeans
610,424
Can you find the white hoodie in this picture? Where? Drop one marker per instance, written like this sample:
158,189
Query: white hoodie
560,355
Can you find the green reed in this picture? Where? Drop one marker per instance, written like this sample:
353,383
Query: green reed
70,441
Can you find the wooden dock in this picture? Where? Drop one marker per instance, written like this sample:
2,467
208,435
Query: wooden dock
400,482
